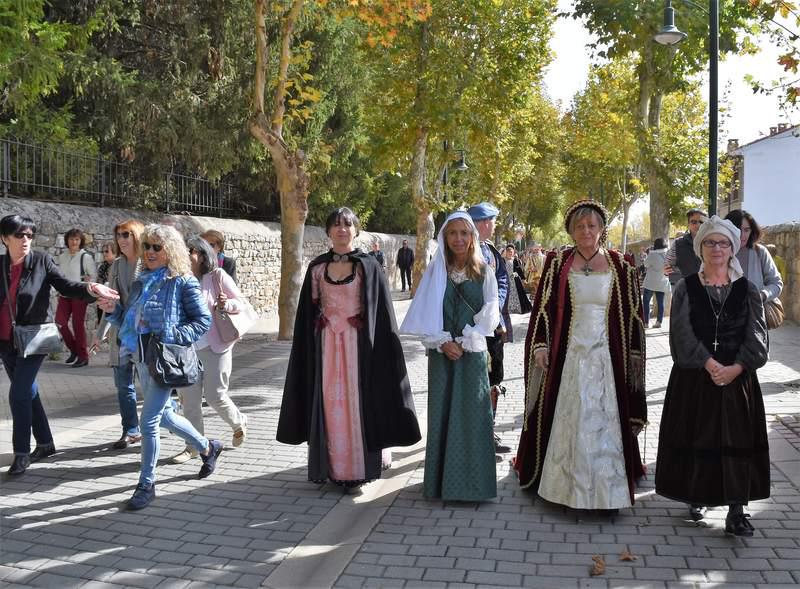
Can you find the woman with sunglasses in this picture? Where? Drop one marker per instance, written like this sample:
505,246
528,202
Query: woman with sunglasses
712,446
25,296
165,302
121,276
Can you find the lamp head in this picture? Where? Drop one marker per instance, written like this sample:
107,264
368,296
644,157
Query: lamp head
669,33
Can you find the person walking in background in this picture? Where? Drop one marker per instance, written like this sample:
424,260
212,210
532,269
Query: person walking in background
221,295
405,262
713,447
484,216
25,300
164,303
216,240
655,281
517,302
77,265
346,391
755,260
584,373
533,269
378,255
121,276
455,308
681,261
110,253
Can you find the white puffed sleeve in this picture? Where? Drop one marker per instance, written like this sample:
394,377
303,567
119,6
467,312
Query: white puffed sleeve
486,320
435,340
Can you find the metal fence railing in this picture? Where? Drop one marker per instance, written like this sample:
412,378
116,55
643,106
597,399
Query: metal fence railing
44,172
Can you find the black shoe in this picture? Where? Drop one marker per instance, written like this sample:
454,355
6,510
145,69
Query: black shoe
142,497
72,358
20,465
697,512
210,461
81,364
499,447
43,451
126,441
739,525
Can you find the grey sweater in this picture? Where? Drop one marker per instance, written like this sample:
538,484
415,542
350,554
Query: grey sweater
760,269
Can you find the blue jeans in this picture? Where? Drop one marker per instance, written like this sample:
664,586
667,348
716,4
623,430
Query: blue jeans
126,395
157,411
659,302
27,412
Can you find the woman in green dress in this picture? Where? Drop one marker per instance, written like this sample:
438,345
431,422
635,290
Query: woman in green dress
454,309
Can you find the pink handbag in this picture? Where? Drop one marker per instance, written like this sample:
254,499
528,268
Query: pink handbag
232,326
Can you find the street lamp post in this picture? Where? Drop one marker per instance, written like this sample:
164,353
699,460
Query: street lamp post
671,35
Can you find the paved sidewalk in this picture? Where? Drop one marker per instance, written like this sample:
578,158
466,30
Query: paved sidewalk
259,522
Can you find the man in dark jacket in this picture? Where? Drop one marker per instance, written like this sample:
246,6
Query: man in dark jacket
405,262
378,255
484,215
681,256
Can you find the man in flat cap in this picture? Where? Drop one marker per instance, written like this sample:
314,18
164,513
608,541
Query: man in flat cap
484,215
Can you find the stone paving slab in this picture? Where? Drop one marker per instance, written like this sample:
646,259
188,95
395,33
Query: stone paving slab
258,522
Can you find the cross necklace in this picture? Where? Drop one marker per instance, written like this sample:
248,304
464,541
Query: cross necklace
717,315
586,267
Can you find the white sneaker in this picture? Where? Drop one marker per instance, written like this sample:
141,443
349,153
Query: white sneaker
185,456
240,434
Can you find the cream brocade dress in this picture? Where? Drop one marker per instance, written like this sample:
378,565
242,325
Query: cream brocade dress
584,466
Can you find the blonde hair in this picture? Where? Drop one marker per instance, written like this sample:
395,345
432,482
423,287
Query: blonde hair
135,227
178,262
475,263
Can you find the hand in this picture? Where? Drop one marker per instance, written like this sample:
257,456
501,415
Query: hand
101,291
95,342
221,300
727,374
540,358
107,305
452,350
636,428
667,270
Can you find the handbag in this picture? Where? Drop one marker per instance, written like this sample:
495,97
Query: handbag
774,313
172,365
232,326
30,340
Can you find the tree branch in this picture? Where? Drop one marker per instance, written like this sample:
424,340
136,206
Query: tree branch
279,101
261,58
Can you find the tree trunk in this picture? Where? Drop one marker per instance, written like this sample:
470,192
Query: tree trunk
659,205
626,209
293,186
425,225
290,165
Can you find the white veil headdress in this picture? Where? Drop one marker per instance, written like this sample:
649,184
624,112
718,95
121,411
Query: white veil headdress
425,315
729,230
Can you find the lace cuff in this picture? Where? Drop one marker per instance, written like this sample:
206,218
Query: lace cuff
472,340
436,340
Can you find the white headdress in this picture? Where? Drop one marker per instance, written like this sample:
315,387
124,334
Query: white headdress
424,317
729,230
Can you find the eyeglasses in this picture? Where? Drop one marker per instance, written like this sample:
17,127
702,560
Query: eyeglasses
711,244
156,247
21,234
696,222
123,234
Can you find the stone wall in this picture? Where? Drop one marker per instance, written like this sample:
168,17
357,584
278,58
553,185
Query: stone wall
786,238
255,245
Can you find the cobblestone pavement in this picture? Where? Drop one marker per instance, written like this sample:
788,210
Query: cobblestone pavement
258,522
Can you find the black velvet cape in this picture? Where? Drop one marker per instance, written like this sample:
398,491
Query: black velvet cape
387,406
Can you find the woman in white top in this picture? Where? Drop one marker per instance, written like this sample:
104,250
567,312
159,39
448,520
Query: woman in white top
655,281
77,265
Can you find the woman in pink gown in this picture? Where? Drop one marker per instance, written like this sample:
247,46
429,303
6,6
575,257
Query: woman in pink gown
346,390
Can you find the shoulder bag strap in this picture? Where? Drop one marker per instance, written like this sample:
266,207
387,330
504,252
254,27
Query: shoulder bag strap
8,296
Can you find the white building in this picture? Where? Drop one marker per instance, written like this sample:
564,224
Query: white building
768,177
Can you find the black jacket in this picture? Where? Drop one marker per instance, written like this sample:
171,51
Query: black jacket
229,265
33,296
405,257
387,404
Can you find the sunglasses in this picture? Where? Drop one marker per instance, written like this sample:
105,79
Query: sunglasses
123,234
156,247
21,234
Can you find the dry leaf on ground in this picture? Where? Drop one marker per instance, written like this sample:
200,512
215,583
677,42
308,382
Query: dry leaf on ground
599,566
627,556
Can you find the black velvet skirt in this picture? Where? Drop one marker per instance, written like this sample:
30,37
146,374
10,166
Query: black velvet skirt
712,445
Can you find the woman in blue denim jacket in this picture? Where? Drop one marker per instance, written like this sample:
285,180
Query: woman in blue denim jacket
165,302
